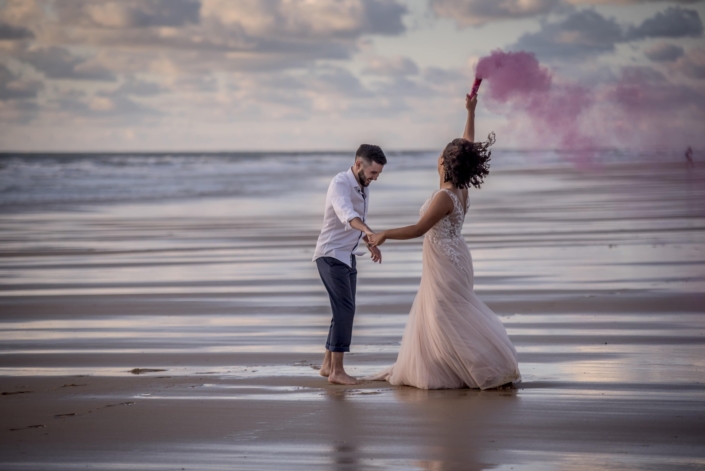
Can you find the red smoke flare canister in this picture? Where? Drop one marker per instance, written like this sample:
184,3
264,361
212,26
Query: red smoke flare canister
475,87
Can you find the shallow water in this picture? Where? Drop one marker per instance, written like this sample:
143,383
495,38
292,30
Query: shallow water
598,275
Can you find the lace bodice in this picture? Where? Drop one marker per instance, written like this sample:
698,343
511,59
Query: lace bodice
450,226
445,234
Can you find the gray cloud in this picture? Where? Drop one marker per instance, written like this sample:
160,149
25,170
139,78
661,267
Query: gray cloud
14,88
18,111
139,88
384,17
674,22
627,2
586,33
467,13
129,13
9,32
391,66
59,63
105,105
443,76
580,34
241,35
693,70
339,81
645,90
17,104
478,12
196,83
692,64
664,52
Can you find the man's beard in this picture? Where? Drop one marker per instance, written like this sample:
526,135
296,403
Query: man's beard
362,180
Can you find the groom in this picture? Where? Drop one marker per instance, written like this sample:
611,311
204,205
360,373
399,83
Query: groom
343,228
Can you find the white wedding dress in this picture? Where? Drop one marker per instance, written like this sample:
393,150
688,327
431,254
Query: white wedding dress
451,339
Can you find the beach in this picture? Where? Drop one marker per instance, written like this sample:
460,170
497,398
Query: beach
162,312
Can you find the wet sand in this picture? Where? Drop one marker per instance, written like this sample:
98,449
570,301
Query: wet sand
598,276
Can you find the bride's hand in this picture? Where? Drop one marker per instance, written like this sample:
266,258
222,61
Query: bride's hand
378,239
470,103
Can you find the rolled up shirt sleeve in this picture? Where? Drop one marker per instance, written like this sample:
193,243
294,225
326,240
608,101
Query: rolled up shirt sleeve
339,195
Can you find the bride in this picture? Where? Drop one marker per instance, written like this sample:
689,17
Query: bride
452,339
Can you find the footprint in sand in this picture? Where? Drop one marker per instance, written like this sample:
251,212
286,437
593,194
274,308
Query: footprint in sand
27,427
139,371
70,414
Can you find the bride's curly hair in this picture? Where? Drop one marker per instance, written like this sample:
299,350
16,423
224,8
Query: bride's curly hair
467,163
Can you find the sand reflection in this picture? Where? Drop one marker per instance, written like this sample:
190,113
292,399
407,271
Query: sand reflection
459,426
342,430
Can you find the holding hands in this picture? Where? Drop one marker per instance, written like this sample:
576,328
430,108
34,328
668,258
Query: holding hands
377,239
372,240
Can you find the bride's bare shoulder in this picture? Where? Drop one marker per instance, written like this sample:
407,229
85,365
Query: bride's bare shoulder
443,199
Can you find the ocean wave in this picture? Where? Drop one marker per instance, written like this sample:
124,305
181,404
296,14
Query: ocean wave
28,179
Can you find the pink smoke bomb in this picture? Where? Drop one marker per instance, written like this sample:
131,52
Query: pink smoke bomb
475,87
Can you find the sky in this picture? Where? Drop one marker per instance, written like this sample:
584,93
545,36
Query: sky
297,75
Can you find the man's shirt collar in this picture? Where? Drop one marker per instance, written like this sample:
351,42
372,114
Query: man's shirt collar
355,183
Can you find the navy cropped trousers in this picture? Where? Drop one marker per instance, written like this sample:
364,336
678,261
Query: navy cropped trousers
340,281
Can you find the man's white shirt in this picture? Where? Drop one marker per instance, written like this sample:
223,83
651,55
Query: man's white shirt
345,201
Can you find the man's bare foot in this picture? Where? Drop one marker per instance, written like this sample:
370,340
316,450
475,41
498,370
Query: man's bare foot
341,378
325,366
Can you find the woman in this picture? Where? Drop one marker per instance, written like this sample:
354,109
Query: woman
452,339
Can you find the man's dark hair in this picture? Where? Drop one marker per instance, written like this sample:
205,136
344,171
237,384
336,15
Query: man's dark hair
370,153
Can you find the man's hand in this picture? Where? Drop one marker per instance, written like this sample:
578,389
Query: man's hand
375,253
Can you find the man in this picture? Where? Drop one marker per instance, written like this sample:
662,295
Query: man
343,229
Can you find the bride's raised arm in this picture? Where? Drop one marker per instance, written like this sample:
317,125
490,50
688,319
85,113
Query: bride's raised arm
470,104
440,206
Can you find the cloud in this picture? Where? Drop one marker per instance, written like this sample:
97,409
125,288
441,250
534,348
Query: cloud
664,52
104,105
230,35
479,12
468,13
18,111
579,35
16,97
644,90
297,19
9,32
128,13
384,17
626,2
674,22
444,76
692,64
587,33
139,88
225,25
59,63
391,66
13,87
338,81
181,55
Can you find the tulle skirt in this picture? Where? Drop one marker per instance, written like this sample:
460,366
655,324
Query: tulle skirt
452,339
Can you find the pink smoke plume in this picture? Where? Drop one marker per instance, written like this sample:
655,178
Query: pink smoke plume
639,107
516,80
